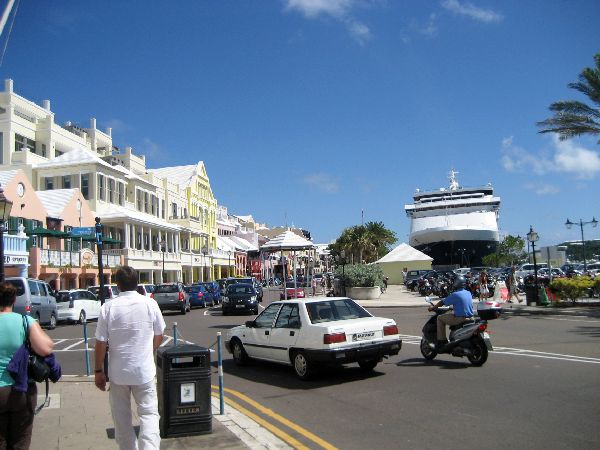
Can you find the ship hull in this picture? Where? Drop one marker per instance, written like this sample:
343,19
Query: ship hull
463,253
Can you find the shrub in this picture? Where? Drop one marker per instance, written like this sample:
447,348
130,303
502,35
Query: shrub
571,288
360,275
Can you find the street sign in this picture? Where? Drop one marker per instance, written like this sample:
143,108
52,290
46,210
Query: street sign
83,231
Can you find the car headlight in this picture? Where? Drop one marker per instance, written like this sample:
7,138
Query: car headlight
253,298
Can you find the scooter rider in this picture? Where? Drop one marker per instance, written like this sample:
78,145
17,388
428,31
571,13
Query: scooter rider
462,302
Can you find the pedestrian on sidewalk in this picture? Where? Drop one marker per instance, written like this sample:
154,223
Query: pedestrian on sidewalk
17,408
133,328
313,284
484,291
512,285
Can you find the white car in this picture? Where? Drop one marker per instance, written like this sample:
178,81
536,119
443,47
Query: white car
77,305
309,333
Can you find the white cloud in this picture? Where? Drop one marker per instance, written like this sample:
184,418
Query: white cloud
340,10
152,149
322,182
430,28
565,157
117,125
542,189
472,11
315,8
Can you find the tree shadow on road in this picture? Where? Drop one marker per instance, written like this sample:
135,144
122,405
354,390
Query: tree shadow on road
587,331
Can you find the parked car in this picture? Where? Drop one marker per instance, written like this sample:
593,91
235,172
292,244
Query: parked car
313,333
556,272
146,289
110,291
172,297
527,269
240,297
293,291
216,291
199,296
35,298
412,275
77,305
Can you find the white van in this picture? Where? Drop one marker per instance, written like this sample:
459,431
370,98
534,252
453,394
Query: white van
77,305
527,269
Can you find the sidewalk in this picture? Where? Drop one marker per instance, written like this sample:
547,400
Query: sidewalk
78,417
399,296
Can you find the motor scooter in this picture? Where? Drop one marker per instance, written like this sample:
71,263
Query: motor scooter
468,339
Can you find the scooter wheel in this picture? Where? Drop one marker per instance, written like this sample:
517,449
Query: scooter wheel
427,350
479,353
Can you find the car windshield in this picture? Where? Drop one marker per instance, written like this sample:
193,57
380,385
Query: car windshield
166,289
290,284
240,289
333,310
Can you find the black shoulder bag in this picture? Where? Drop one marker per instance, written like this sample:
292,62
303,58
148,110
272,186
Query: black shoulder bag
37,369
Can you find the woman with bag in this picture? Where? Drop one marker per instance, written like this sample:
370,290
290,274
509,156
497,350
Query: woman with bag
484,291
17,408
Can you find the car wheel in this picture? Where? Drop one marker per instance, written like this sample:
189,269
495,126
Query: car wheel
239,354
52,323
82,316
479,353
183,309
302,366
427,350
368,365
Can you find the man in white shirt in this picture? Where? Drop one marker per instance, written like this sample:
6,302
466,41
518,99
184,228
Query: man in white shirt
133,326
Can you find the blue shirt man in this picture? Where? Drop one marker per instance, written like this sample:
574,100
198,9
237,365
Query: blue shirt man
462,302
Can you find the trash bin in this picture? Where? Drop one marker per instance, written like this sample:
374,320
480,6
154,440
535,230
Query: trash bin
530,295
183,390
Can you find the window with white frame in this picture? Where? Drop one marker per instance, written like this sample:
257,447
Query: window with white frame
49,183
66,181
111,190
101,187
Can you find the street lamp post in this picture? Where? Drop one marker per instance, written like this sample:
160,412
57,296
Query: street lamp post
5,207
533,237
163,247
594,223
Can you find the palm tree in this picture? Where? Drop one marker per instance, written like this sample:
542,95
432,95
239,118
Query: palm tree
573,118
381,237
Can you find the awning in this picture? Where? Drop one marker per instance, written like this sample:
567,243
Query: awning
45,232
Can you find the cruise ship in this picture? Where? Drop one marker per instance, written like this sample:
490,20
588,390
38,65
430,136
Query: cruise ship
456,226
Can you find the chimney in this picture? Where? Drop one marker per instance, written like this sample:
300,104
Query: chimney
46,105
93,123
109,131
8,85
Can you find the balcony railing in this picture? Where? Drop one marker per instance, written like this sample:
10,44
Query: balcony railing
60,258
150,255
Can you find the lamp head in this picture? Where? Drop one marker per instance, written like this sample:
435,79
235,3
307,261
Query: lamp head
532,236
568,224
594,222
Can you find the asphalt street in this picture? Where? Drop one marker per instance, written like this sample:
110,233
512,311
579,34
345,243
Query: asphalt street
539,387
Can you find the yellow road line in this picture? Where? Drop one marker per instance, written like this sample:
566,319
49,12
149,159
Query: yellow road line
273,429
297,428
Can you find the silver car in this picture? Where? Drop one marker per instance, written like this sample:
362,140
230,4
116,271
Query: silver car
35,299
172,297
77,305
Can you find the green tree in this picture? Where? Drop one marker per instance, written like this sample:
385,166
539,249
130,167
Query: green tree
574,118
510,251
364,243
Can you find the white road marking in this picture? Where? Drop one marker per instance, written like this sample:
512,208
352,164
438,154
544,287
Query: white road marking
72,345
408,339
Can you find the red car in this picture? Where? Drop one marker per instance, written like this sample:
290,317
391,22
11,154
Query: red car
292,292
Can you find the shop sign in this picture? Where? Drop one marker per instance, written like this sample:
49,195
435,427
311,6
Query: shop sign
15,259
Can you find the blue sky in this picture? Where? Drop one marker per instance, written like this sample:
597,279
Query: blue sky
312,111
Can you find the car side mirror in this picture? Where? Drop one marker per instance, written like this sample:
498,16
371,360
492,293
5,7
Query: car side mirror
250,324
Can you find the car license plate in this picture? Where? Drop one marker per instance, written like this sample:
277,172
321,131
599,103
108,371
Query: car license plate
240,306
363,336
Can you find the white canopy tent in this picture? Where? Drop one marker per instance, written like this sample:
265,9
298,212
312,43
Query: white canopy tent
288,241
403,257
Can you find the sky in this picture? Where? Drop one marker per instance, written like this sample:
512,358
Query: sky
320,114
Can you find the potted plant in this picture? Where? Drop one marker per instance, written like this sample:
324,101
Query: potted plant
362,281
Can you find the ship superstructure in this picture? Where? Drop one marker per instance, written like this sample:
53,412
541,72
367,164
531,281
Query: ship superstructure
455,225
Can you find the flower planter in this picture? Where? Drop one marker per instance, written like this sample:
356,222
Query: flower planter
363,293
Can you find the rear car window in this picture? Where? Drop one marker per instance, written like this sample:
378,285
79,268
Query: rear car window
33,287
166,289
63,297
19,286
333,310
